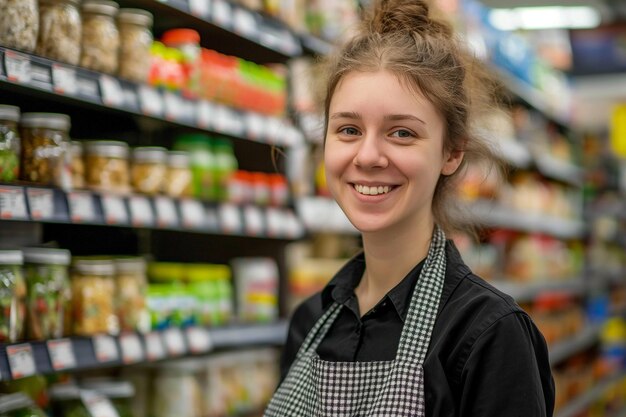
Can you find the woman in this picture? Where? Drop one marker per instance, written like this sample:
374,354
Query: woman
405,328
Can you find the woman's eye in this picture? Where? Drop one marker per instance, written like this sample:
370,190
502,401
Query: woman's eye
402,133
349,131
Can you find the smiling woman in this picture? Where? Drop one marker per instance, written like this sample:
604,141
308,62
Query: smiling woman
405,328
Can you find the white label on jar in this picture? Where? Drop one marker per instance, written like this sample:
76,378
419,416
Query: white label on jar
230,218
199,340
12,203
222,13
253,218
105,348
98,405
141,211
81,206
64,79
132,351
151,101
61,354
193,213
114,209
41,203
255,124
200,8
174,342
112,93
244,23
154,347
205,114
21,360
18,67
165,212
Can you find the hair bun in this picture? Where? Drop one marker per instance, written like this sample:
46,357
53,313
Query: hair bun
405,16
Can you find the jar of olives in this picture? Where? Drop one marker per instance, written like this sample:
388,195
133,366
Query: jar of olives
12,296
107,169
131,287
9,143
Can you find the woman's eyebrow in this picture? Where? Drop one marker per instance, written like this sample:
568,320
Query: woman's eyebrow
396,117
346,115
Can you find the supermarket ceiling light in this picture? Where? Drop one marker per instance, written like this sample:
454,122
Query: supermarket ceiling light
547,17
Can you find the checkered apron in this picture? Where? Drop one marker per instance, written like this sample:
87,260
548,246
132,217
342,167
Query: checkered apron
314,387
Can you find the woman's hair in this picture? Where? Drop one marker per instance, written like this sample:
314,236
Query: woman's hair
403,37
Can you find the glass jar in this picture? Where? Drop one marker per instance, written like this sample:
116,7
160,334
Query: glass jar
77,165
60,29
106,163
93,292
135,42
19,24
148,170
9,143
45,149
12,296
131,287
179,178
101,39
48,291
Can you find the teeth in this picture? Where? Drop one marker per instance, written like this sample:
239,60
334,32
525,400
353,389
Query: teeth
366,190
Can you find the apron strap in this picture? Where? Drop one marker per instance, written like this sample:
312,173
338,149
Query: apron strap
319,330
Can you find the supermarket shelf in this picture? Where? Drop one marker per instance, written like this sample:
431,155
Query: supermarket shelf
37,75
316,45
490,214
51,205
582,340
559,170
523,292
323,215
581,403
83,353
514,152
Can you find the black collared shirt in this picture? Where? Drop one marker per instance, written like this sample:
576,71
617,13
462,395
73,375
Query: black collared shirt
486,357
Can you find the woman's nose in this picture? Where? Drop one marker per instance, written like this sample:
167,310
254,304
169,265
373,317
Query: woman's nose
370,153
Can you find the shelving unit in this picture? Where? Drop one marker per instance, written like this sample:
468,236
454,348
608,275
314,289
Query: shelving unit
585,400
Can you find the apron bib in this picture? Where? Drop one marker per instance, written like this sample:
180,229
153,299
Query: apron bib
314,387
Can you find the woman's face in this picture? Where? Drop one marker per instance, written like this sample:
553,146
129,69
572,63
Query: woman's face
384,152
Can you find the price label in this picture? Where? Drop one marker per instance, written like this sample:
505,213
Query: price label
255,125
275,222
41,203
253,219
12,203
205,114
129,97
154,347
81,206
192,212
151,101
98,405
244,23
61,354
21,360
230,218
114,209
274,127
165,212
174,342
222,13
64,79
199,340
87,87
212,221
228,121
17,67
173,106
105,348
141,211
200,8
132,351
112,93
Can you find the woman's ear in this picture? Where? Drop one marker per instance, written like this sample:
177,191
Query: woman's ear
452,162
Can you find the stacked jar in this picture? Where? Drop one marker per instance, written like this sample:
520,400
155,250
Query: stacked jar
19,24
130,289
149,169
101,38
107,167
179,178
9,143
187,41
12,296
135,42
60,30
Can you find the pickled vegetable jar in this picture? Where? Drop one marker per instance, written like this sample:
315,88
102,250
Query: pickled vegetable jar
136,40
12,296
19,24
131,287
149,168
46,149
179,177
60,30
48,291
101,39
9,143
106,162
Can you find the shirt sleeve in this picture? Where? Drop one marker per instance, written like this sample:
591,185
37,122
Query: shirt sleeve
507,373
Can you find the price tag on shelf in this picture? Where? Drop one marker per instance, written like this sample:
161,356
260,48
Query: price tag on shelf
174,342
64,79
199,340
255,126
253,220
112,93
105,348
174,106
222,13
130,99
97,404
61,354
200,8
141,211
192,213
114,209
228,121
165,212
18,67
87,87
205,114
154,347
41,203
81,206
274,127
12,203
230,218
132,351
245,23
151,101
21,360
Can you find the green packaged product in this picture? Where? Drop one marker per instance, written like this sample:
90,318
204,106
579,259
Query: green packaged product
10,144
225,166
202,163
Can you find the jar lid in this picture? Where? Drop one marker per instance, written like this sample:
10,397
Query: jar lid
11,113
11,257
106,7
46,120
74,2
130,265
109,148
12,402
175,37
179,159
110,388
150,154
94,266
136,16
64,392
47,256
